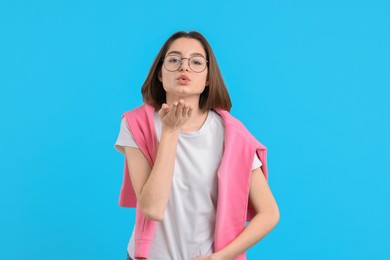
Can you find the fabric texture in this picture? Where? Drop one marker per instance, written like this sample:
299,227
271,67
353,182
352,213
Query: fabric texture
234,174
193,194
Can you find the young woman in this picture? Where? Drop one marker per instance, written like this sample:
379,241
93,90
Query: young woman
193,172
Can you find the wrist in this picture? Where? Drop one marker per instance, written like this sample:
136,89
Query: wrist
169,136
219,256
168,131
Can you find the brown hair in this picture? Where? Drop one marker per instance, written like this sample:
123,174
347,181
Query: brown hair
215,94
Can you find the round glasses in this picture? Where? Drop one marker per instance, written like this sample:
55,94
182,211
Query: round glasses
196,63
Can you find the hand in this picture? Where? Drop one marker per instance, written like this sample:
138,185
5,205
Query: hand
175,116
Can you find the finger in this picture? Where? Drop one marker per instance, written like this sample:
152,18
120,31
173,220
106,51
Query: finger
180,107
189,111
165,107
185,110
163,110
174,108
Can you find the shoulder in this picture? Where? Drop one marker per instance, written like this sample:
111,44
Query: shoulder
232,123
139,119
230,120
216,118
235,127
141,111
140,122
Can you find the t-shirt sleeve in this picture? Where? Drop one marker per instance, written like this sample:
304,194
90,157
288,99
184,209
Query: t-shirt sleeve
125,138
256,162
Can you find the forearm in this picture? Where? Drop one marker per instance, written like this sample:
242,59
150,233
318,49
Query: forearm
154,195
257,229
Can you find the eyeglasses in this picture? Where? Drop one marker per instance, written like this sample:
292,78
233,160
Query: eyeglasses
196,63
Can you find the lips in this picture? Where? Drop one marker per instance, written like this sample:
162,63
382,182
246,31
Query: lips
183,79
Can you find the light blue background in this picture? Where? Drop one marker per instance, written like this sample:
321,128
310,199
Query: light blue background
310,79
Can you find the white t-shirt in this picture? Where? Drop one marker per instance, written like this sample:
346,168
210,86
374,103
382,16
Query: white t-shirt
187,229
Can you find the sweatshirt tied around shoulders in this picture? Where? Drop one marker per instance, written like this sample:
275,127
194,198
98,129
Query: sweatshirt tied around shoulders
234,175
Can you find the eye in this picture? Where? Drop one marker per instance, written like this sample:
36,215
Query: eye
198,61
173,59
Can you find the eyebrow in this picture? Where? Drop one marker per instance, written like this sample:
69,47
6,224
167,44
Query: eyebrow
179,53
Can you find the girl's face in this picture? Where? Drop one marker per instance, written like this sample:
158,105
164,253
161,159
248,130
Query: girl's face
184,82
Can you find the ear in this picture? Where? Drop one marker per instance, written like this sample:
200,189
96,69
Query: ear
160,76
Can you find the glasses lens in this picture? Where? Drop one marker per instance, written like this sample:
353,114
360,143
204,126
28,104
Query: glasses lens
172,63
198,63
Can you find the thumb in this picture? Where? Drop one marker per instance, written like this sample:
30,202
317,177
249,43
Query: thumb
163,110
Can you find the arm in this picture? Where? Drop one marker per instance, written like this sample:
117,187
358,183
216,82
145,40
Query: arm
152,185
266,218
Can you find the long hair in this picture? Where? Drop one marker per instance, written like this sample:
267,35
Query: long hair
215,95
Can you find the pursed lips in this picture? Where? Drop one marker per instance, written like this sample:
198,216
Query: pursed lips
183,79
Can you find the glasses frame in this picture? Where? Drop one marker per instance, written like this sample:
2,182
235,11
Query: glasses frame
181,63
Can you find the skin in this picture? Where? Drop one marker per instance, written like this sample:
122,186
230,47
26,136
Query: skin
181,113
188,93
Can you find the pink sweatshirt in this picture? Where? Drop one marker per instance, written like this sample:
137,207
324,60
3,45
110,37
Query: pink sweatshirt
234,174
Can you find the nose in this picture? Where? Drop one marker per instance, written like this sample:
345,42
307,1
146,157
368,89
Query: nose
184,65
